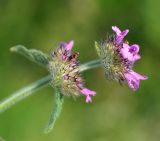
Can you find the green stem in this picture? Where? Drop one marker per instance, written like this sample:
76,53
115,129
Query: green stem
30,89
23,93
90,65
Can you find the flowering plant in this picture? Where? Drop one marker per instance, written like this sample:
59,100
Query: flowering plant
116,55
118,58
65,72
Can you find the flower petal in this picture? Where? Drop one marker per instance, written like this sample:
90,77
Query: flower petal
69,46
88,99
138,76
134,49
136,57
88,93
116,29
124,32
65,50
130,52
125,50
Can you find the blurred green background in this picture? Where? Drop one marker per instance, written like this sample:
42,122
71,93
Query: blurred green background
116,113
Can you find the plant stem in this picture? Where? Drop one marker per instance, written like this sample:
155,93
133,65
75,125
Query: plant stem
33,87
23,93
90,65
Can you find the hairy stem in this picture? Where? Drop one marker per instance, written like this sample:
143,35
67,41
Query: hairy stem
30,89
23,93
90,65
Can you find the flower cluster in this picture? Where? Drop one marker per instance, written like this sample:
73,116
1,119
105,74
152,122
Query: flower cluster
118,58
65,72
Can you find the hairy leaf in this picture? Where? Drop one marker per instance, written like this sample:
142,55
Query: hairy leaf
32,54
97,48
56,110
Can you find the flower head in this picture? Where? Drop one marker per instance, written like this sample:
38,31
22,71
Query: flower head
118,58
65,72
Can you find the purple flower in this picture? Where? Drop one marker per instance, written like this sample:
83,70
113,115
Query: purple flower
119,34
118,58
133,79
88,93
65,72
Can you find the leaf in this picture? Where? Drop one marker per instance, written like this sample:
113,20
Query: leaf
56,111
32,54
97,48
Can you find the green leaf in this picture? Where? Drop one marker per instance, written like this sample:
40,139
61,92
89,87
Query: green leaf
56,111
32,54
97,48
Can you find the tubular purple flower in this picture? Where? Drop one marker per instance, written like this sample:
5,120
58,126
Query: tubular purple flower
65,72
88,93
133,79
118,58
119,34
68,46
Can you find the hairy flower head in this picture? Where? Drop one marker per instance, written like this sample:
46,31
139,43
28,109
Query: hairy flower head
65,72
118,58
